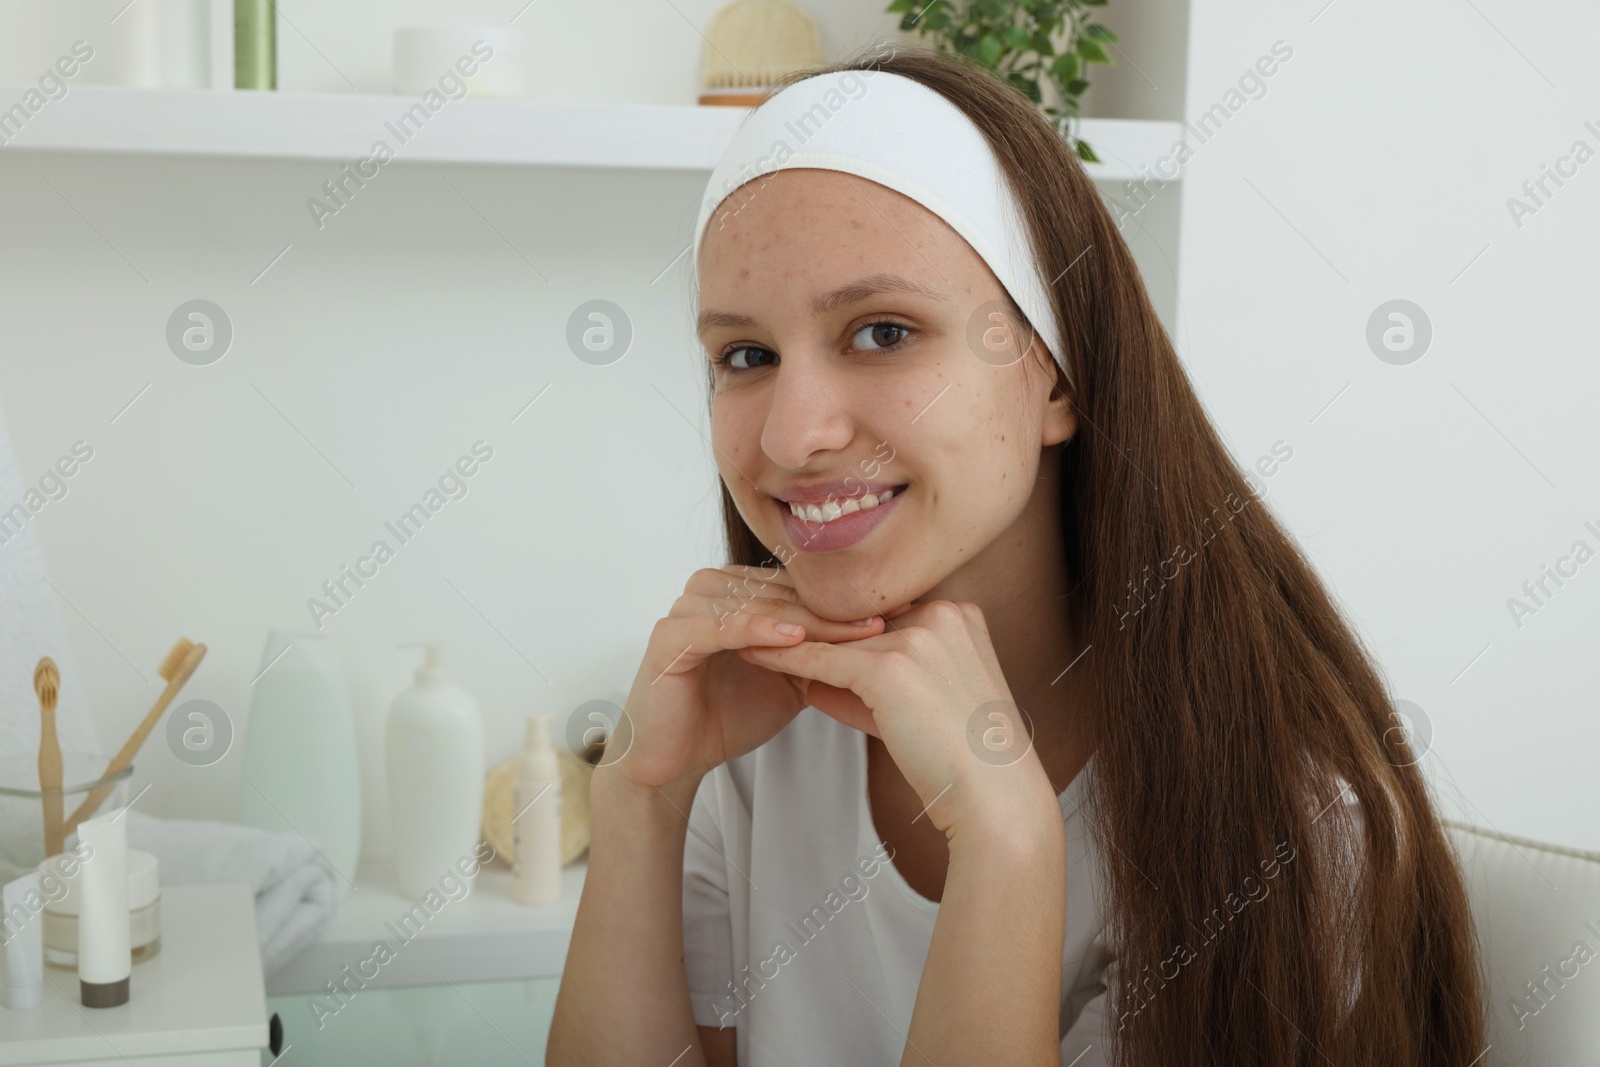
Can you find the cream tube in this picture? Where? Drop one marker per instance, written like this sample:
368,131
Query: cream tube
24,940
105,961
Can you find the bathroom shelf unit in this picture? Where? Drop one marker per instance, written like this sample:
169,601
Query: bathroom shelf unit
345,126
484,936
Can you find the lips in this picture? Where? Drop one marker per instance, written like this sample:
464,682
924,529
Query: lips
839,533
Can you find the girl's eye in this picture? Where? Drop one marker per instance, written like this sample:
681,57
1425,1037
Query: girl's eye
731,358
885,334
881,336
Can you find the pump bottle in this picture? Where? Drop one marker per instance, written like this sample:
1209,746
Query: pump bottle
433,755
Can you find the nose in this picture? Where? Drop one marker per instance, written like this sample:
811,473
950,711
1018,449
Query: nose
809,412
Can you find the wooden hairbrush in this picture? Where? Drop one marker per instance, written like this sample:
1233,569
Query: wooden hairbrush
750,44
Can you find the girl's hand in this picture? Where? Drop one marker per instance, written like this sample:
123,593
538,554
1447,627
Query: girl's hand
931,688
694,704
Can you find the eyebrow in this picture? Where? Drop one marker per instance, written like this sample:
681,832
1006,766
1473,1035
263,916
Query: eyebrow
845,295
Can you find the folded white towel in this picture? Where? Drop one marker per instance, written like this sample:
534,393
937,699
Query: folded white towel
296,887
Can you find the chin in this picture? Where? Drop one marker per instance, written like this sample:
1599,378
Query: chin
830,591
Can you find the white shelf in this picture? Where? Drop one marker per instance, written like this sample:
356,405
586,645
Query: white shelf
344,126
484,936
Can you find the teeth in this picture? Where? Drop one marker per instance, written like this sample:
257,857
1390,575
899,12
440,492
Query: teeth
831,510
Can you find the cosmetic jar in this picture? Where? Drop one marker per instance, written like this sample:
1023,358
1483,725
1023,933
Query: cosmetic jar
61,916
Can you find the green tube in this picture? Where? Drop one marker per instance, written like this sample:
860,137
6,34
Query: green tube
255,44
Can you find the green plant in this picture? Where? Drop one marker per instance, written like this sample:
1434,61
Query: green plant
1018,40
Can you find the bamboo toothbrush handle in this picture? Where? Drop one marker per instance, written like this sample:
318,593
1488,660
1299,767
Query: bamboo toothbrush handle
130,748
50,778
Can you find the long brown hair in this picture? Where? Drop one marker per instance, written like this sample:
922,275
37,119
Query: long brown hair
1226,698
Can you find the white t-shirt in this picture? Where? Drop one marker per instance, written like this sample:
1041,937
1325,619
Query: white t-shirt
790,891
800,932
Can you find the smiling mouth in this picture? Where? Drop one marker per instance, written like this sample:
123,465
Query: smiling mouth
835,509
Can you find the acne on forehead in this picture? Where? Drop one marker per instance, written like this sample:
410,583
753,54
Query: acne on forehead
870,207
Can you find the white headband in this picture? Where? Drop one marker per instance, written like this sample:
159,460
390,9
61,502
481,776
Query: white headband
897,132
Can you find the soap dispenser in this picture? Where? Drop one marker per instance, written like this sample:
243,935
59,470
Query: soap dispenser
433,755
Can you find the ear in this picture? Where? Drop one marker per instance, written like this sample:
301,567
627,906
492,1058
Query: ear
1060,420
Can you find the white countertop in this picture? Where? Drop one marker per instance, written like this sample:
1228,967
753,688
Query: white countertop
200,997
484,936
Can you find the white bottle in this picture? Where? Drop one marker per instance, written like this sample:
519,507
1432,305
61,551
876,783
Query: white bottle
536,820
433,755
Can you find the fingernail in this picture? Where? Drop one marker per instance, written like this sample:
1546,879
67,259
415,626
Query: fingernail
863,622
788,628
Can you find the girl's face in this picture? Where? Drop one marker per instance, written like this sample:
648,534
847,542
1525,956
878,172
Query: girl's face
859,348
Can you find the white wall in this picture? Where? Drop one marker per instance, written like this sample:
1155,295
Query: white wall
1377,166
378,350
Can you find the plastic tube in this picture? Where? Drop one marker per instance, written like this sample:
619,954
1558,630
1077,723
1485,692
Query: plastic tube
24,942
105,960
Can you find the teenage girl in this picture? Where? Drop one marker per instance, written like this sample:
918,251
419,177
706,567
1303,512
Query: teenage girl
1017,731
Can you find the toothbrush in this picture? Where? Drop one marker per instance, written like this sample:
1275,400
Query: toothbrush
47,683
176,669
